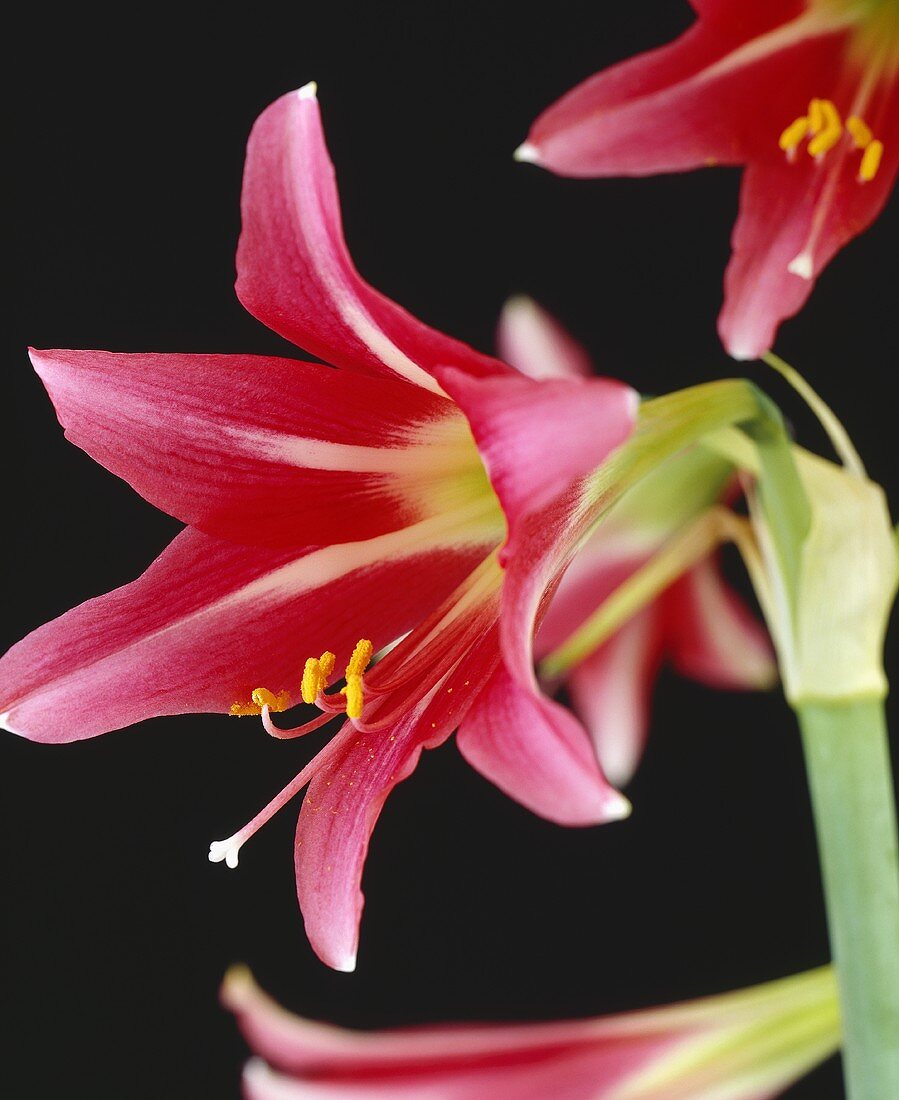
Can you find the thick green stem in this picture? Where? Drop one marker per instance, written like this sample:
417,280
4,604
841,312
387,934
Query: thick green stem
848,762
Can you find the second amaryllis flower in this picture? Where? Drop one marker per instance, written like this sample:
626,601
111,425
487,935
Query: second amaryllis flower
331,512
805,93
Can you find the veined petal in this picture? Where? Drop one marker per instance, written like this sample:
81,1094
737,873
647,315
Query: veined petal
535,438
264,450
794,217
419,693
611,692
706,98
295,274
536,752
712,636
537,345
747,1045
176,639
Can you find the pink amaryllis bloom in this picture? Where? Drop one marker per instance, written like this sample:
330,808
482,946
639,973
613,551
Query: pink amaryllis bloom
331,514
805,93
747,1045
698,623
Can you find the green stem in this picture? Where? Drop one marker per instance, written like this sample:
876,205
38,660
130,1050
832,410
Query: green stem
848,762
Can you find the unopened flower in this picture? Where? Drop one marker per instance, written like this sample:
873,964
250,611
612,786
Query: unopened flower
747,1045
350,526
805,93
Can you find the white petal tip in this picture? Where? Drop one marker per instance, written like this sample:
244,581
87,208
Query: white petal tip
801,265
308,91
345,965
618,808
526,153
224,851
4,722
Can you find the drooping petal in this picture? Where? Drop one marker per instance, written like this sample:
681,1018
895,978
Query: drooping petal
712,636
537,345
714,96
372,755
535,438
611,692
295,274
209,621
264,450
746,1045
794,215
536,752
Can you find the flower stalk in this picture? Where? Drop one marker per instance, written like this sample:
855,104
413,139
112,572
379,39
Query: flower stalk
848,762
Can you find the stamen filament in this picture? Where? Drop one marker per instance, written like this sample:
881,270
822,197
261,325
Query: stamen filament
298,731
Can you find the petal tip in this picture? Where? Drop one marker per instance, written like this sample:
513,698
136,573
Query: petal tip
237,984
308,91
802,266
618,808
527,153
5,724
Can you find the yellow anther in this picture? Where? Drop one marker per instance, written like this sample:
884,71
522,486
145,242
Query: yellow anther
860,130
354,695
794,134
815,116
260,698
326,664
360,658
830,133
870,161
313,680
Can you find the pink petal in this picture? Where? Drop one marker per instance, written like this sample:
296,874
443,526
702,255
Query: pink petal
261,450
799,214
537,753
295,273
711,634
537,345
210,621
535,438
719,1046
611,692
371,756
714,96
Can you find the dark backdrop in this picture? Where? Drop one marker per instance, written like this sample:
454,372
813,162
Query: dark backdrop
129,147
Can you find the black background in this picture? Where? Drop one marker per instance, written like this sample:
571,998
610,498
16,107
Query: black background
128,155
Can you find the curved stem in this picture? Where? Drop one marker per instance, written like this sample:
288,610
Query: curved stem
848,762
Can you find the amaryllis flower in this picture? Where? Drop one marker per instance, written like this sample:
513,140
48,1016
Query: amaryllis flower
805,93
747,1045
331,512
698,622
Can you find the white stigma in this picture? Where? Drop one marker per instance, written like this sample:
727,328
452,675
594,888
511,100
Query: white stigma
308,91
526,152
801,265
225,850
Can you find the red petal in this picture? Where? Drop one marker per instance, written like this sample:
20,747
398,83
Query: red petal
210,621
611,691
783,207
535,438
537,753
714,96
295,273
712,636
261,450
537,345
